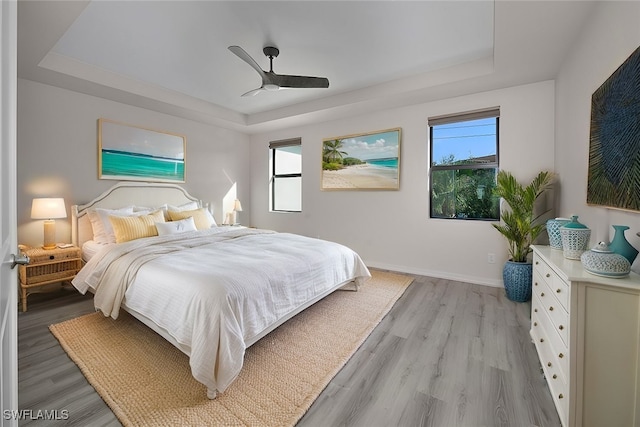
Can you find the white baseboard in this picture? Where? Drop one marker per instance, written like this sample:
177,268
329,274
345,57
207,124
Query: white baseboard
436,274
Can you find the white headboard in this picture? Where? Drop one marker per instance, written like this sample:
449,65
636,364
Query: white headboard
122,194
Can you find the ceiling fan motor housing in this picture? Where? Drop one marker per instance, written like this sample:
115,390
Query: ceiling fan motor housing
271,52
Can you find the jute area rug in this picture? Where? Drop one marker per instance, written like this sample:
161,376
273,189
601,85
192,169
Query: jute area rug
147,382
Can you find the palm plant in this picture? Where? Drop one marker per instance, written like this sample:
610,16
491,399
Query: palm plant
520,225
331,150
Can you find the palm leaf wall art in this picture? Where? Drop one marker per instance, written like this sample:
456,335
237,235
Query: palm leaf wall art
614,150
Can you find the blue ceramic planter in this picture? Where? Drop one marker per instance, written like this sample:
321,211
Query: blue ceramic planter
517,280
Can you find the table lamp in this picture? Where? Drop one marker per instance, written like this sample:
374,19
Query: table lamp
48,209
237,207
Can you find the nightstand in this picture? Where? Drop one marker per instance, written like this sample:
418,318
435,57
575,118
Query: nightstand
46,267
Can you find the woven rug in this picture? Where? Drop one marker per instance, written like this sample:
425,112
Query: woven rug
147,382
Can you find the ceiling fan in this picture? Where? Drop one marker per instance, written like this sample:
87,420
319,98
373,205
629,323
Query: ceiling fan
272,81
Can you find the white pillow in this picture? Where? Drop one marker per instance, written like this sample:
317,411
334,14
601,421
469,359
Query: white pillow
212,220
100,224
175,227
147,209
189,206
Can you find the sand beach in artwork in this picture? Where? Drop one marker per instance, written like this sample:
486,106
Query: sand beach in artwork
365,176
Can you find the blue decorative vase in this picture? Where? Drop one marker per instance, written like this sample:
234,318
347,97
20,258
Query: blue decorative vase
517,280
553,230
621,245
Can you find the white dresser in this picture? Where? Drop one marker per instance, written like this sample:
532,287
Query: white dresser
586,330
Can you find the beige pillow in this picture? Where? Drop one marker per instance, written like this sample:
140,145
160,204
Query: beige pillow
128,228
201,217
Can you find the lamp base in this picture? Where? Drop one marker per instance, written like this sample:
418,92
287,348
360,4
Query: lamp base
49,234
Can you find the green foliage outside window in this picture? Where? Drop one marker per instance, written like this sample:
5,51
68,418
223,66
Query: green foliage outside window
464,194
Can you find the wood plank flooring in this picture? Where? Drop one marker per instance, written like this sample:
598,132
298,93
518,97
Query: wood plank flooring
448,354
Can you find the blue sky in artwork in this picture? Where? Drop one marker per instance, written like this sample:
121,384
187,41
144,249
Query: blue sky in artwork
375,146
473,138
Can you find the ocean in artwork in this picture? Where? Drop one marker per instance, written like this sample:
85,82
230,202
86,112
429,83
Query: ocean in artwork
389,162
126,164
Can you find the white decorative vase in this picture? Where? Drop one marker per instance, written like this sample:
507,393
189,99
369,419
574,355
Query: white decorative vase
575,238
602,261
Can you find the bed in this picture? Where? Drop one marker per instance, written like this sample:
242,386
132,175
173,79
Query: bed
210,291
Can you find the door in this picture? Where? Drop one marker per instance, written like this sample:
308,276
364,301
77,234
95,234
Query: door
8,216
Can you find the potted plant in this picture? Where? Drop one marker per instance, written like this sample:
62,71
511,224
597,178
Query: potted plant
521,226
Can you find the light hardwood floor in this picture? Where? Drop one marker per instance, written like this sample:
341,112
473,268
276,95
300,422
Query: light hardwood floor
447,354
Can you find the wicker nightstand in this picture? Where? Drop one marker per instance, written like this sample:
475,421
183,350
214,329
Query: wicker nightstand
46,267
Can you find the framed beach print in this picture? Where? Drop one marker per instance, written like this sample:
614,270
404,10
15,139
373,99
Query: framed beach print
133,153
366,161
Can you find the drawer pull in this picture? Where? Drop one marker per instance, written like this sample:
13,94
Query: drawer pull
555,376
542,294
560,396
541,339
561,327
535,310
537,263
548,275
551,308
535,323
558,291
549,364
561,355
535,283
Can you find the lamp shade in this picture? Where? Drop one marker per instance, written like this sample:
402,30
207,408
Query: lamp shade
48,208
237,206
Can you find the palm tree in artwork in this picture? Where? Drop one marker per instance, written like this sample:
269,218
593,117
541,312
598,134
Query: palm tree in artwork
331,150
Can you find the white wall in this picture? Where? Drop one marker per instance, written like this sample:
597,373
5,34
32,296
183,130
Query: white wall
392,229
58,154
607,40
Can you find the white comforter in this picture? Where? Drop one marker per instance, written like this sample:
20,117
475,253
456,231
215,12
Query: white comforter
214,291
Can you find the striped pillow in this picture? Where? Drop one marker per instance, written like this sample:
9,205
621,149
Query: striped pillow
128,228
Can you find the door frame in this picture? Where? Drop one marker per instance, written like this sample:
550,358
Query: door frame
8,215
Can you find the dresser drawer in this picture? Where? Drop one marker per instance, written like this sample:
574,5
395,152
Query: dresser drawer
557,286
552,306
542,268
542,290
560,392
556,351
560,289
549,362
559,319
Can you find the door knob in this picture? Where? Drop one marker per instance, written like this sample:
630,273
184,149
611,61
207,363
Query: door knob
20,259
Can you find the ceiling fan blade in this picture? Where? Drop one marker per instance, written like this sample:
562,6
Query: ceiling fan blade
246,58
299,81
253,92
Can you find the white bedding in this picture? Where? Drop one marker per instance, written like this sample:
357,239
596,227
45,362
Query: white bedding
90,248
216,290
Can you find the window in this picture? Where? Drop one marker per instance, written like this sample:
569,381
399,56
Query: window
464,163
286,175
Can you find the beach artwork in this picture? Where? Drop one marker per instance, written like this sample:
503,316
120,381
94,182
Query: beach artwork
136,154
369,161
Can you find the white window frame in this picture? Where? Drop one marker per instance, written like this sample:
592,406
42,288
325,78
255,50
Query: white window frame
273,146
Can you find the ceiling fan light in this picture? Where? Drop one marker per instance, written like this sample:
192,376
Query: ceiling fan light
271,87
